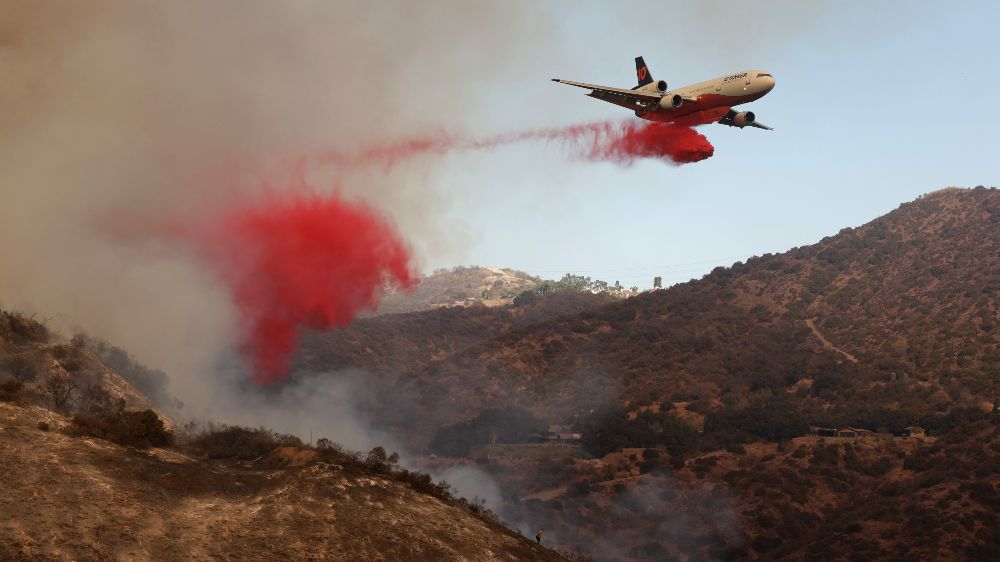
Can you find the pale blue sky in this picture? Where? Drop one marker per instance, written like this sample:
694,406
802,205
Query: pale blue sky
875,104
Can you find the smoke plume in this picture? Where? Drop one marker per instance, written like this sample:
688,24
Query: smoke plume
117,116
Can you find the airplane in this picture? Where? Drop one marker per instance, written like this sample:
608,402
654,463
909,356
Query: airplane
698,104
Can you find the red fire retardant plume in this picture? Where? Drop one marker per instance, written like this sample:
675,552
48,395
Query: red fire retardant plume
297,261
680,145
621,142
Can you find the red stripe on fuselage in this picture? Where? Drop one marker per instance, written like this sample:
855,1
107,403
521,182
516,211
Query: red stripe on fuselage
708,109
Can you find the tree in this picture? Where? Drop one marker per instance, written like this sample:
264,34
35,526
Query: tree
773,419
613,430
96,400
80,339
61,390
525,297
24,368
570,282
657,282
377,457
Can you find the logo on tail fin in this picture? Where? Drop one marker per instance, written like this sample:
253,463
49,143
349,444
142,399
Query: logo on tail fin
642,72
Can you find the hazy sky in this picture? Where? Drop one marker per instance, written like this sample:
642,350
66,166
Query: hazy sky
875,104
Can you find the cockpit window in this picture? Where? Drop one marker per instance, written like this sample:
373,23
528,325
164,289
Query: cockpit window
762,74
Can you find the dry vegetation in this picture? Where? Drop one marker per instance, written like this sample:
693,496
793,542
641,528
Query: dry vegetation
912,296
807,498
89,478
460,286
887,325
68,497
694,402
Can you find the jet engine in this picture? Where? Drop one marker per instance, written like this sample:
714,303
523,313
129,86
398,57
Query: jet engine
672,102
743,118
661,86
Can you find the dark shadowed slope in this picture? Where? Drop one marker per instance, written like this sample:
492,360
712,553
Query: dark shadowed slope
902,310
401,343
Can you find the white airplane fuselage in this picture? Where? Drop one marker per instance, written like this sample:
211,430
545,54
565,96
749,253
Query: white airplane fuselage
698,104
709,101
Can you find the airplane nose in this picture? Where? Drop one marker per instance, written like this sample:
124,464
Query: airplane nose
769,83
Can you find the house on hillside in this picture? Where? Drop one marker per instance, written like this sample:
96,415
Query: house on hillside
914,431
824,431
558,435
844,432
854,433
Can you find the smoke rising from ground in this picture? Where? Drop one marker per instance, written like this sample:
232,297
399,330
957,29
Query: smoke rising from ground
656,517
341,406
117,115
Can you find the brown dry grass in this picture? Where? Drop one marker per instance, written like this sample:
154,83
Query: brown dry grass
67,498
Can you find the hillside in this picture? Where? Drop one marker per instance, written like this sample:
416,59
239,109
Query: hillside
460,286
810,498
64,372
398,343
881,326
71,492
67,497
694,404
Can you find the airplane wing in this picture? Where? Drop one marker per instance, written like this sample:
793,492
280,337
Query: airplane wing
618,96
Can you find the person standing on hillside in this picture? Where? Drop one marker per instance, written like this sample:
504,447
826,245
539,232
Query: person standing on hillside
538,536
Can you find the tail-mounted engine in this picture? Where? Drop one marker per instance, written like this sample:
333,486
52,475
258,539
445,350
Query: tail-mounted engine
657,87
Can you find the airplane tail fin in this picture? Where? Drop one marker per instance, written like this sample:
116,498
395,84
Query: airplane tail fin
642,73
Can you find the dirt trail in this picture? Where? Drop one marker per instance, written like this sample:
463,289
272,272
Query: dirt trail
827,343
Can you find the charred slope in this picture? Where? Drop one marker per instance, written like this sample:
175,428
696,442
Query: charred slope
900,311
